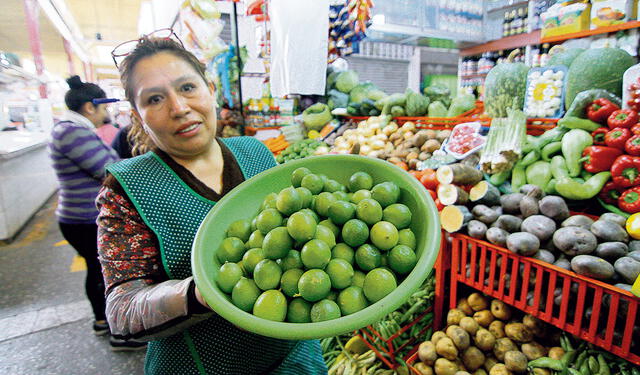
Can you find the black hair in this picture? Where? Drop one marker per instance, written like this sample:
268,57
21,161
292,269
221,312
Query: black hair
81,92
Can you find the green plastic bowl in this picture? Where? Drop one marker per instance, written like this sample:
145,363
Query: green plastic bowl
243,203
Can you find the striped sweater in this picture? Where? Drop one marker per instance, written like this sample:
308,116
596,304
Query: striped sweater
79,158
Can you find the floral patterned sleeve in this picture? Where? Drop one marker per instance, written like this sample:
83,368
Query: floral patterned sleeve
142,303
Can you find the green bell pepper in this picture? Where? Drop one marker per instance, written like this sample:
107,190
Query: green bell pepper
573,143
539,173
572,189
530,158
572,122
550,149
518,178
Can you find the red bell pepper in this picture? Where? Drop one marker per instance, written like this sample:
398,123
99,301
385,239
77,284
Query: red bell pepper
600,110
635,129
610,193
629,201
626,171
617,137
598,158
623,118
632,146
598,136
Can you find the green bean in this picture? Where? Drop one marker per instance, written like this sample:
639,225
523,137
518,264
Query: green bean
604,367
593,365
546,362
568,357
581,358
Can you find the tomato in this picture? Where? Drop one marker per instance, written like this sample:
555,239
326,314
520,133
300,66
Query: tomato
439,205
433,194
429,179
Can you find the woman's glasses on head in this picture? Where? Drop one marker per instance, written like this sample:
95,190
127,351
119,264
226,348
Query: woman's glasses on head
124,49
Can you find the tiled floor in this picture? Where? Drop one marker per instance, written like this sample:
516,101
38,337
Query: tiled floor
45,319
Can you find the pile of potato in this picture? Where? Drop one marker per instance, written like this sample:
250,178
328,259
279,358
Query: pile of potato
396,144
484,338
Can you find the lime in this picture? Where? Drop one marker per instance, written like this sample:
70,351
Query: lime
269,201
299,311
289,281
297,175
368,257
384,260
229,275
268,220
254,225
384,235
360,195
314,285
325,235
313,183
301,226
285,221
341,196
292,260
386,193
340,273
360,180
244,294
329,224
240,229
277,243
251,258
271,305
289,201
267,274
407,238
369,211
397,214
378,283
306,196
352,300
324,310
231,250
341,211
323,202
332,185
244,271
343,251
355,232
332,296
315,254
358,279
255,239
402,259
324,178
314,199
311,213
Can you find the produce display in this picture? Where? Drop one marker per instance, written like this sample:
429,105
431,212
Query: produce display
285,264
545,88
301,150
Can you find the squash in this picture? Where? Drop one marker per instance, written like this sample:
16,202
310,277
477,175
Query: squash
598,68
505,87
565,57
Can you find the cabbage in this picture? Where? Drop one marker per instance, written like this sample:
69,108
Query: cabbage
337,99
461,104
316,116
376,94
437,109
416,105
346,81
397,111
438,93
360,92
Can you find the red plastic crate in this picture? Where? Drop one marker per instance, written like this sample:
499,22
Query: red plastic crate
592,310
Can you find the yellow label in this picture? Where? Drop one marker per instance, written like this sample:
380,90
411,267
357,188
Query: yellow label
539,91
635,289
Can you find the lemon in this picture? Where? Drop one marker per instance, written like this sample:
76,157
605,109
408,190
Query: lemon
369,211
231,250
386,193
271,305
368,257
402,259
340,273
288,201
229,275
340,212
397,214
352,300
378,284
298,175
244,294
301,226
268,220
289,281
240,229
251,258
324,310
384,235
299,311
315,254
267,274
355,232
314,285
277,243
360,180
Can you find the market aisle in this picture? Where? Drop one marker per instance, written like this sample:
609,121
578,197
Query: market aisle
45,319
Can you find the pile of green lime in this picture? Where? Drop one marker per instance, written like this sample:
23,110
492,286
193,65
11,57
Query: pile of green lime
318,250
299,150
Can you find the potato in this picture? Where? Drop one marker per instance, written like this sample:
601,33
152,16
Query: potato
628,268
532,191
500,310
443,135
484,318
614,218
609,231
509,223
478,302
459,336
429,133
523,243
497,236
423,369
445,367
581,221
515,361
503,346
497,329
612,250
430,146
463,305
413,164
535,325
533,350
540,226
484,214
545,256
446,348
590,266
511,203
485,340
575,241
480,372
437,336
424,156
499,369
529,206
556,353
419,139
554,207
454,316
427,353
470,325
489,363
473,358
476,229
518,332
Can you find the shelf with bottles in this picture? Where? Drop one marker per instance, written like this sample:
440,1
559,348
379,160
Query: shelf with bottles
516,21
270,112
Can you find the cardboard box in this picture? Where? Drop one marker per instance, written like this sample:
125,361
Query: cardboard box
612,12
566,20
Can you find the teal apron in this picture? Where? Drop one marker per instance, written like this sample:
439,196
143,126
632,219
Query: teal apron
173,211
